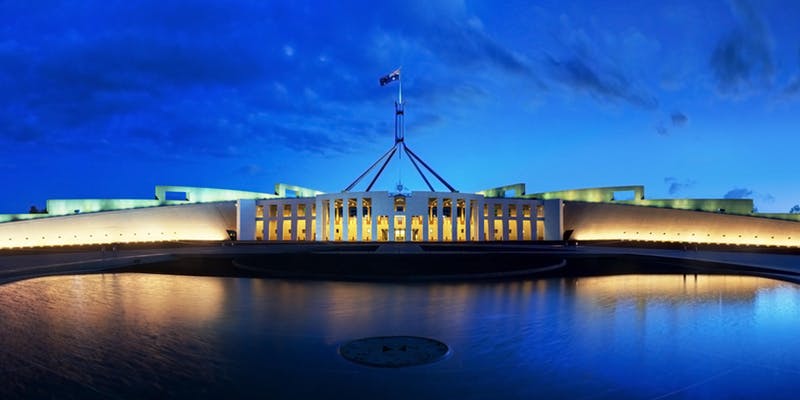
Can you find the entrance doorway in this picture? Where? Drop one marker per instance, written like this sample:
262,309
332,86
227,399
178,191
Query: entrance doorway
399,228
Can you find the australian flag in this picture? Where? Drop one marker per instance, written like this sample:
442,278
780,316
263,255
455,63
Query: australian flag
393,76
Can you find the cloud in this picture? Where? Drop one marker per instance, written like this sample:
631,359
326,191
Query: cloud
742,59
676,185
179,81
466,44
250,170
739,193
585,63
679,119
578,74
661,130
793,87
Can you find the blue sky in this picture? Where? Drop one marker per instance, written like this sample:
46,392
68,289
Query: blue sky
110,98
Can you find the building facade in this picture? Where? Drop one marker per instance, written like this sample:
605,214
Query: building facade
381,216
296,214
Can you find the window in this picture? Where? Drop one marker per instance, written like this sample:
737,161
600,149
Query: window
176,196
624,195
399,204
498,210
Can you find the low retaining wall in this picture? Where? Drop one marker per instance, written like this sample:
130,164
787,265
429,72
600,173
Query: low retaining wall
598,221
208,221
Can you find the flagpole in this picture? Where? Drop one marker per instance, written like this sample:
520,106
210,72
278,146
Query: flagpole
400,90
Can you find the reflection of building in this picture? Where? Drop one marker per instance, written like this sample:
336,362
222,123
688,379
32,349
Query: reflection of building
671,288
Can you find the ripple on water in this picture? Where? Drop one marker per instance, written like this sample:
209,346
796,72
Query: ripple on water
140,335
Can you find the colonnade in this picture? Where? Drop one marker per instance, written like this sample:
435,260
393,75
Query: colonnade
418,216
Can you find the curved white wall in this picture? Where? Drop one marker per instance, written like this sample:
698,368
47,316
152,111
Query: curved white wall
598,221
207,221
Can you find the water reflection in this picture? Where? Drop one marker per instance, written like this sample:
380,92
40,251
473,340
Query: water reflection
137,335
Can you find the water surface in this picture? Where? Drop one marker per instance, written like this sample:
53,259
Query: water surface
622,337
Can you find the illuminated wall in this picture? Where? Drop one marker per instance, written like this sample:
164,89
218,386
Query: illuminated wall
207,221
603,221
57,207
600,195
207,195
729,206
607,195
20,217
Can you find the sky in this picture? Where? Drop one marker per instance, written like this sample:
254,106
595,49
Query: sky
106,99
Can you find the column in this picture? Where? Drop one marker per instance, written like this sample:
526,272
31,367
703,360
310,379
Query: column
467,219
440,219
425,223
309,221
245,219
553,219
391,225
454,219
490,221
519,221
279,223
506,216
331,219
293,217
359,218
409,220
479,218
345,218
318,220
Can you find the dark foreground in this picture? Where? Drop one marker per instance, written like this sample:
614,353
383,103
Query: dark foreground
443,263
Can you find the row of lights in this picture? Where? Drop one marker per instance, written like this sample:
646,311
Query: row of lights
709,235
76,236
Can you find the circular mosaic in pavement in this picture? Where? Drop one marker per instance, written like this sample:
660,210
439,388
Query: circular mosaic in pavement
394,351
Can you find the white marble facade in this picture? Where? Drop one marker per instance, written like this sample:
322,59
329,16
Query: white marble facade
383,216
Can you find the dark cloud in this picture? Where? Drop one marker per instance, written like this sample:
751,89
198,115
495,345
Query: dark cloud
679,119
676,185
176,78
607,85
179,78
792,88
661,130
739,193
464,44
742,59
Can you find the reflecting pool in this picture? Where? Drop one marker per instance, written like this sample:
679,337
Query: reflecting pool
619,337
